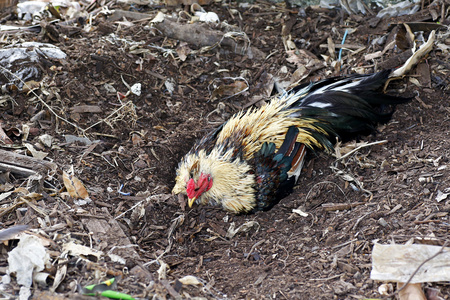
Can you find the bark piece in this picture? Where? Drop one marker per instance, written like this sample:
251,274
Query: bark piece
201,35
111,235
24,165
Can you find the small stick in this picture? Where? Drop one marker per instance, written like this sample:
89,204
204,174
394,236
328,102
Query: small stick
253,247
340,206
360,147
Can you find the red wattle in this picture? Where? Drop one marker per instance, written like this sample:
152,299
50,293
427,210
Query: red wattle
190,188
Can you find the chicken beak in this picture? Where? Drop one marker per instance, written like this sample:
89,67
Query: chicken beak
191,201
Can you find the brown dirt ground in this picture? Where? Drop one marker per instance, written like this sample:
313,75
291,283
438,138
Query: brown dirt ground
326,255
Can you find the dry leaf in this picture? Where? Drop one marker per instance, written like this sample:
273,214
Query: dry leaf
60,275
190,280
414,59
35,153
3,137
243,228
228,90
301,57
81,251
137,140
404,38
182,201
183,51
412,291
33,197
74,186
30,85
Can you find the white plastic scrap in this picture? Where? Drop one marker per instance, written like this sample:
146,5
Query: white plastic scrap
300,212
359,6
24,58
170,85
208,17
400,9
350,6
203,16
29,257
136,89
158,18
398,263
26,10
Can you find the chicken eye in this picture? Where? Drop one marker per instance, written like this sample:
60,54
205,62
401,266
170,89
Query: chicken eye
194,169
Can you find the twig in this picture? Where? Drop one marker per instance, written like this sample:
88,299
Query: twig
360,147
130,209
340,206
354,183
344,244
34,207
17,170
10,208
325,182
359,220
129,103
326,279
202,36
253,247
24,165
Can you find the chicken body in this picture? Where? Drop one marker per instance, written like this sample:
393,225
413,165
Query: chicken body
254,159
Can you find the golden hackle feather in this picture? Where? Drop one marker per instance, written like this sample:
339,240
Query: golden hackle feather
269,124
232,196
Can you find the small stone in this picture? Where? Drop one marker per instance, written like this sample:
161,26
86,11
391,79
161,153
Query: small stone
357,275
46,140
382,222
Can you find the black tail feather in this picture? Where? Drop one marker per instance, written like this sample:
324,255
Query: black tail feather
350,105
271,170
288,143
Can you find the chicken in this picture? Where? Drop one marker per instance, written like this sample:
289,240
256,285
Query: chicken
254,159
